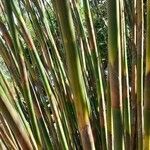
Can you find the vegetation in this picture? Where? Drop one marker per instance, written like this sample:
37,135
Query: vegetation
75,74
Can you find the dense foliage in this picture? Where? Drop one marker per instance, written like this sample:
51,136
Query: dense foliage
75,74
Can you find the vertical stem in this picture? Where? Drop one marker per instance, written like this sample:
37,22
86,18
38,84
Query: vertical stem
125,80
147,85
139,47
133,79
114,71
